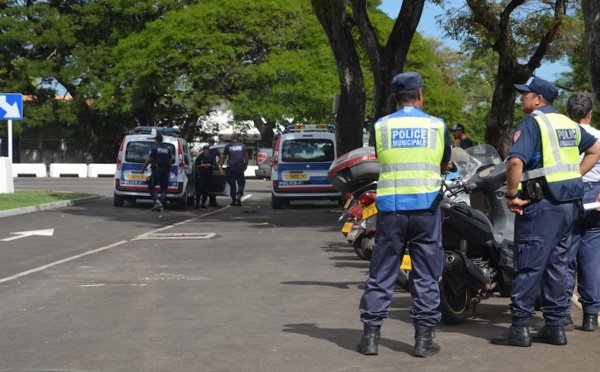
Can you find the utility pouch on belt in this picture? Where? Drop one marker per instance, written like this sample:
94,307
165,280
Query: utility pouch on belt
533,191
436,202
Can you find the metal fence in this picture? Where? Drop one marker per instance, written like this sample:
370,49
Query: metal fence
35,150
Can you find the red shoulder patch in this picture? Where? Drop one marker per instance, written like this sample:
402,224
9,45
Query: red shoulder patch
517,136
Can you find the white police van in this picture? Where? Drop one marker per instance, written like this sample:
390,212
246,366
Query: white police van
131,184
302,157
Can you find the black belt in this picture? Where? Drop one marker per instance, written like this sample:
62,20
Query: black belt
236,164
401,213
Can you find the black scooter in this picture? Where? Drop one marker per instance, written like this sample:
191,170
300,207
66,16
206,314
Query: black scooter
477,238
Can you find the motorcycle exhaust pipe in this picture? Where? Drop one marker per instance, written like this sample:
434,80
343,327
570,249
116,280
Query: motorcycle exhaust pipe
458,265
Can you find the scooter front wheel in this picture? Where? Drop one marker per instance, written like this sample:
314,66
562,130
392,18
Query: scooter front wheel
455,308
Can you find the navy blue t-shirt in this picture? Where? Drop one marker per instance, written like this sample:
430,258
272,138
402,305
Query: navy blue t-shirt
160,155
235,152
211,158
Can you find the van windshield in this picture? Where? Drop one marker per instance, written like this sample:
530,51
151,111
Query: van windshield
138,151
307,149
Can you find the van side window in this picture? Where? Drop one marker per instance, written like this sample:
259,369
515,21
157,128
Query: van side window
307,150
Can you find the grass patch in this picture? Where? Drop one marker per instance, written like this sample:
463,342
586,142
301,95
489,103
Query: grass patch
20,199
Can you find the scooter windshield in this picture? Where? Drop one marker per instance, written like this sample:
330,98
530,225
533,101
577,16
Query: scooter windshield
467,161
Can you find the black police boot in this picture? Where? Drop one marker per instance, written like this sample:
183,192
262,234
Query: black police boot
424,345
369,340
233,202
590,322
514,336
203,202
197,203
554,335
567,324
238,200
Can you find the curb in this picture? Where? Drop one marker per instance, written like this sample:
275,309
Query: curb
43,207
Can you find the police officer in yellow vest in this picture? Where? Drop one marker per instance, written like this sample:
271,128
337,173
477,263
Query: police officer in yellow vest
413,148
544,189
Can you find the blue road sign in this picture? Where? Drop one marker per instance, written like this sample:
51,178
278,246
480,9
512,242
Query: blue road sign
11,106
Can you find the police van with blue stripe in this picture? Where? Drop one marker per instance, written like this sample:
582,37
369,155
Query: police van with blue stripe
131,185
302,157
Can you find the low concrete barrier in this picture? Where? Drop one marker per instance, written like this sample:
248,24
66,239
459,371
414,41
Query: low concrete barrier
98,170
6,181
29,169
68,169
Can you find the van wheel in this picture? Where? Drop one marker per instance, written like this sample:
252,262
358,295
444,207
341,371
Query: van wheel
276,202
118,200
182,203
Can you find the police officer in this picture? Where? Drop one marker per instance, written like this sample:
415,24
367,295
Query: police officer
213,198
161,160
585,243
238,161
544,189
205,163
412,148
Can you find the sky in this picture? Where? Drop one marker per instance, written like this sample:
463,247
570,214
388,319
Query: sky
429,28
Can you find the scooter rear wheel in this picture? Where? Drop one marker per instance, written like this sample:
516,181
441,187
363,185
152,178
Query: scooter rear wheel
454,308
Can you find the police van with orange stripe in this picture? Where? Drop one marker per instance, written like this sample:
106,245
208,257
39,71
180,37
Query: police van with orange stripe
302,157
131,185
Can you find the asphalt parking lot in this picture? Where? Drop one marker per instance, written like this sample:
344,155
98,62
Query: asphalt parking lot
248,289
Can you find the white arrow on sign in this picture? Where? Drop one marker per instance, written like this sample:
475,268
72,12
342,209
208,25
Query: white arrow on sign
12,111
22,234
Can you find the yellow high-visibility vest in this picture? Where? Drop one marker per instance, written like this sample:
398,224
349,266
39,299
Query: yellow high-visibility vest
410,151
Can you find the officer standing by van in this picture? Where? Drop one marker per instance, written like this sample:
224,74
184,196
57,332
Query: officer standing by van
213,198
237,153
544,189
161,159
205,163
413,148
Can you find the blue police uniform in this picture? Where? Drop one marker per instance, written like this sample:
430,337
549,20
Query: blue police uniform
235,174
406,218
543,231
204,176
585,245
161,169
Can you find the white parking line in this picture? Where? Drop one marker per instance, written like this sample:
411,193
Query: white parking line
113,245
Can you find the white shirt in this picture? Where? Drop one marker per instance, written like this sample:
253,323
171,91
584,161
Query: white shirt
594,174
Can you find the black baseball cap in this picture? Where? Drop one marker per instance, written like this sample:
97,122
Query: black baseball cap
458,127
539,86
158,137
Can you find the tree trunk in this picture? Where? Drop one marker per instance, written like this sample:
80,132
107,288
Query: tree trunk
351,113
591,17
499,121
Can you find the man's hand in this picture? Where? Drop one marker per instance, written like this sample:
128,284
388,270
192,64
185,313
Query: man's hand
516,205
220,170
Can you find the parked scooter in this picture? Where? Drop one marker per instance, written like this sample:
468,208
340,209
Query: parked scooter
477,238
356,173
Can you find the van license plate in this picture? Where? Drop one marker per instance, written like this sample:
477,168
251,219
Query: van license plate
406,264
369,211
347,227
299,176
136,177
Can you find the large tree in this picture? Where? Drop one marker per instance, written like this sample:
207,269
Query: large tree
591,16
69,44
520,32
386,57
